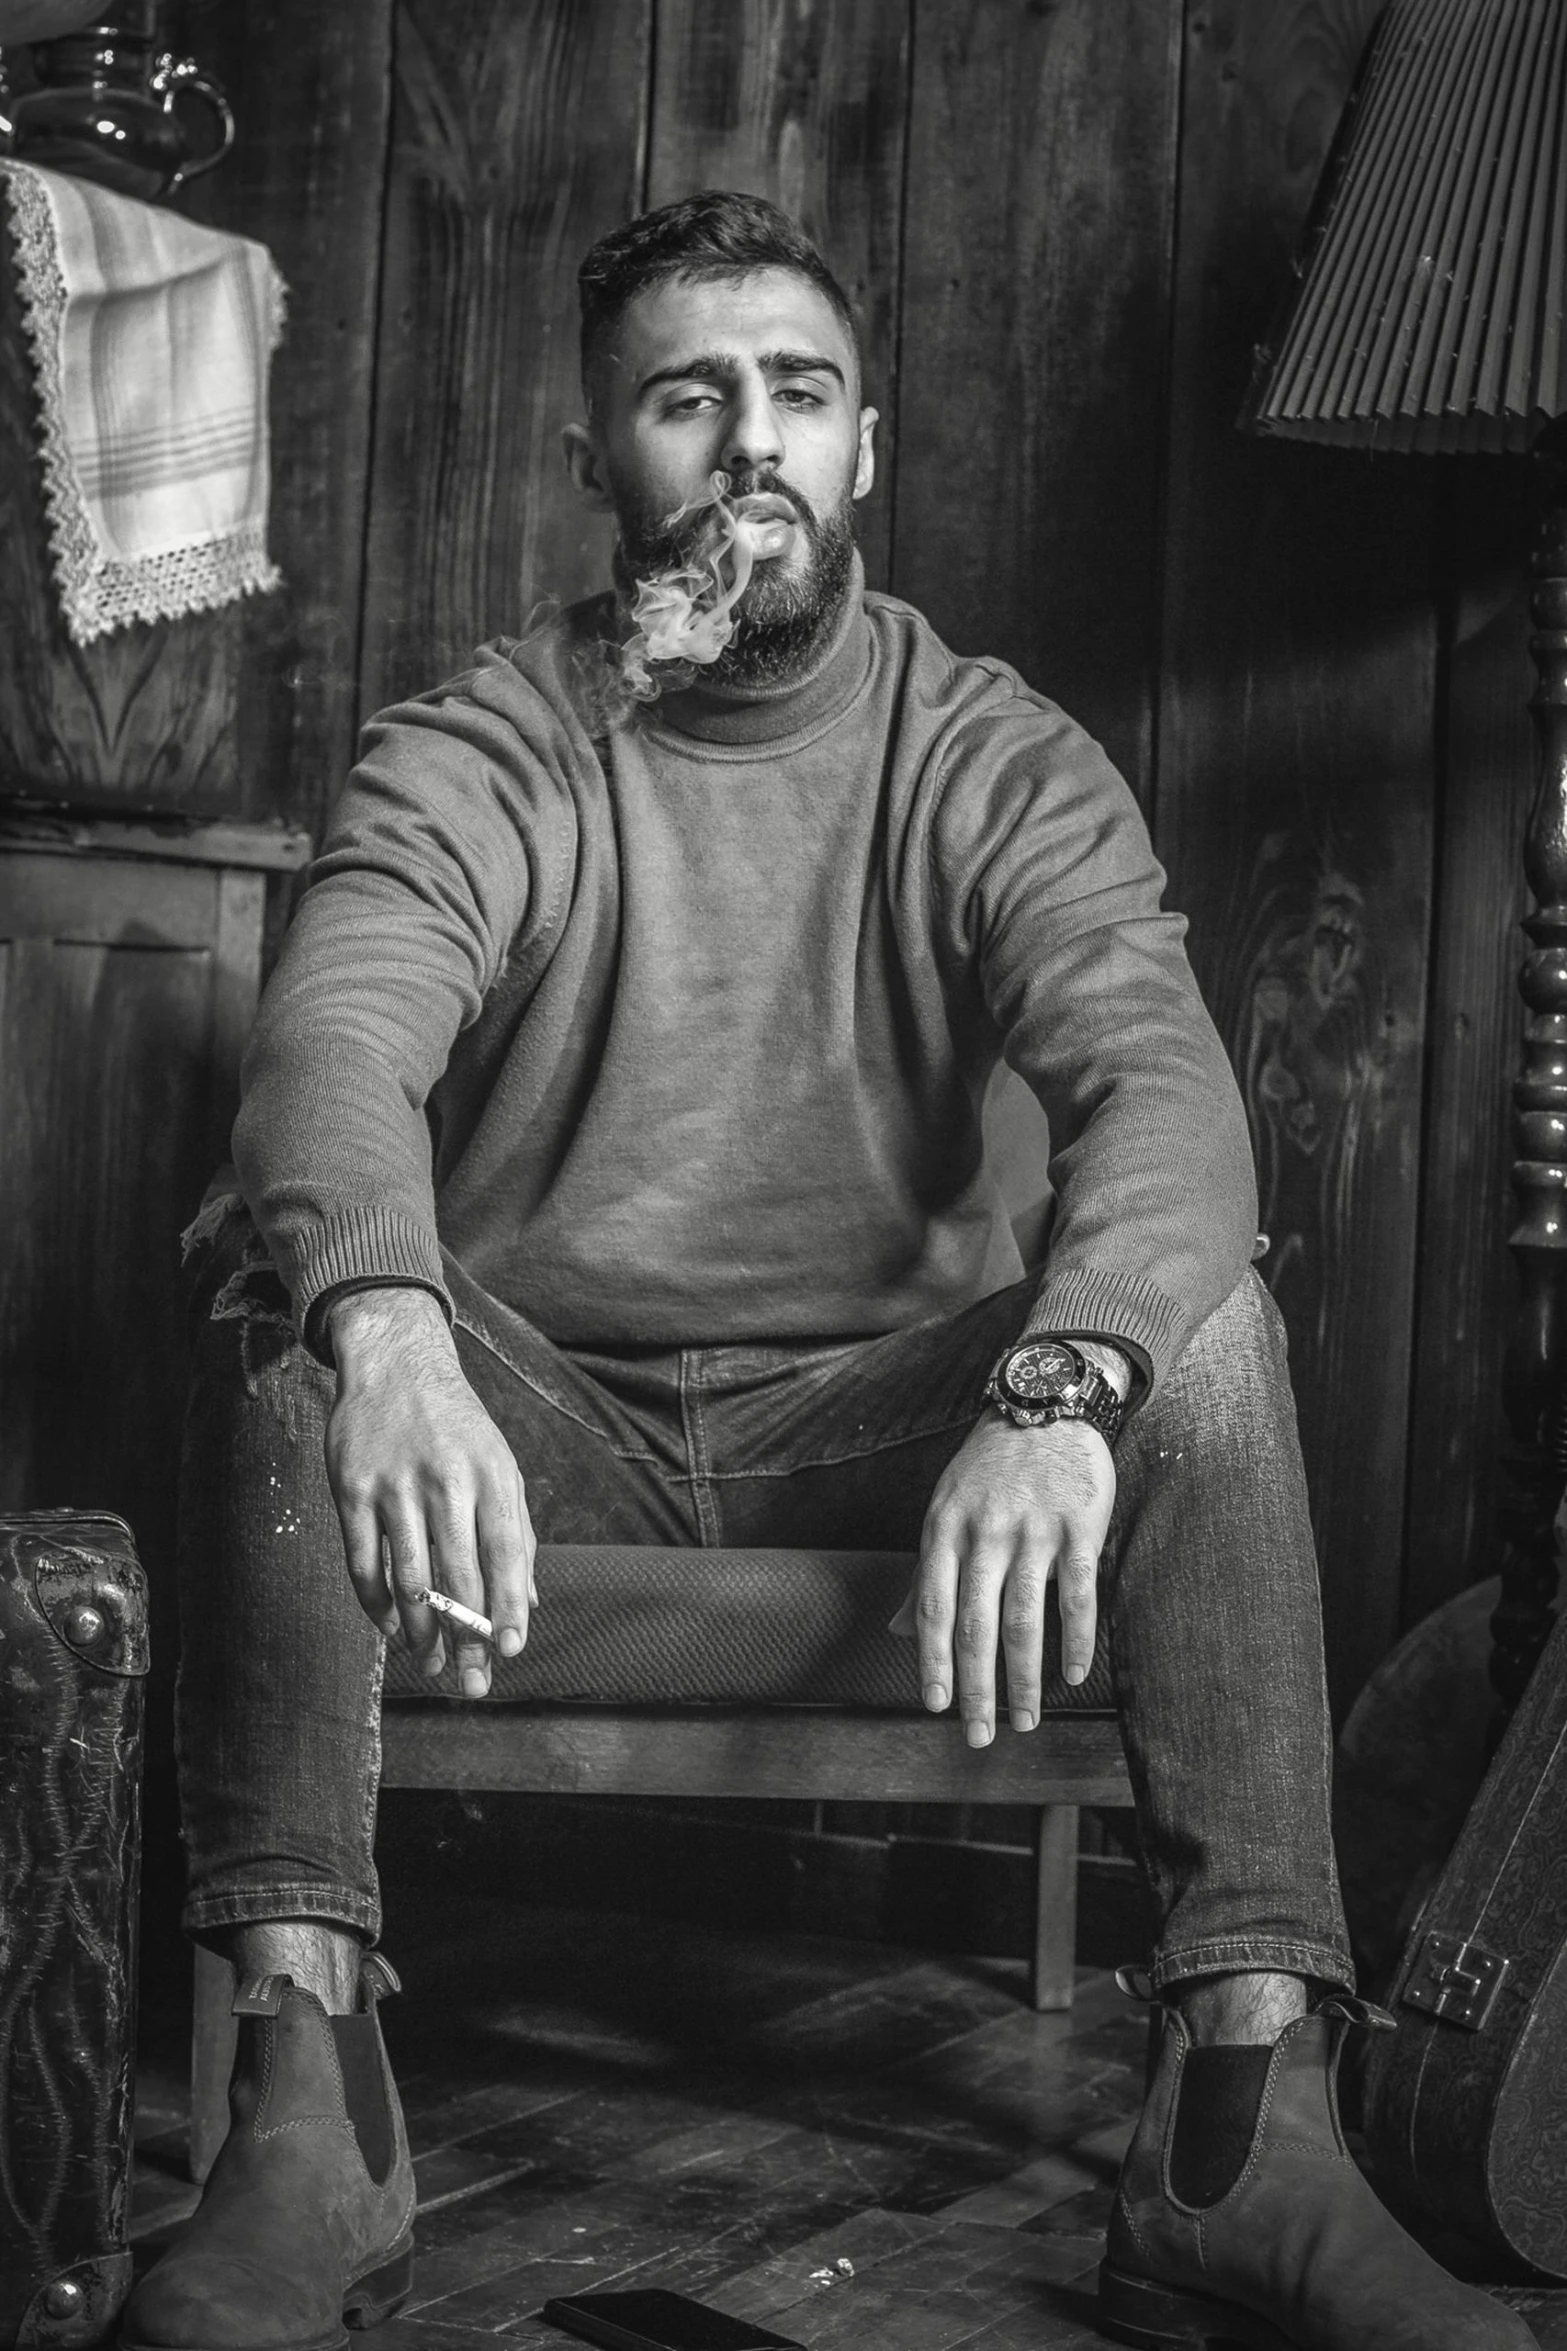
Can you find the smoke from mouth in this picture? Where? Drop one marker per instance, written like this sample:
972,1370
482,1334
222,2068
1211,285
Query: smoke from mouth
685,578
683,604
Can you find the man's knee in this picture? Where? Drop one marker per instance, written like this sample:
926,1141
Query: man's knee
1231,1381
1210,1467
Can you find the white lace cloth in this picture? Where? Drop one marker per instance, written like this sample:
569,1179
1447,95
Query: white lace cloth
151,338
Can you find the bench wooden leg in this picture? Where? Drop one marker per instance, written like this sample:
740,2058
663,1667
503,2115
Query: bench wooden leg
1055,1907
211,2060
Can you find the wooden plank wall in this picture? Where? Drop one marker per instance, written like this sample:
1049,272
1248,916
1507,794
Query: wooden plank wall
517,129
311,90
1294,805
1485,775
1041,199
1067,226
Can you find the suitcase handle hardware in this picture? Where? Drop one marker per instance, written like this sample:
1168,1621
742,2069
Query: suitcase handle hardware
85,1599
1456,1981
79,2306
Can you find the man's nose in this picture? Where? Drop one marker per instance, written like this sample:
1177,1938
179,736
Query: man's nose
753,441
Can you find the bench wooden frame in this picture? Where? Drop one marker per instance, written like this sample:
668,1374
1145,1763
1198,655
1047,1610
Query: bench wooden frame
810,1752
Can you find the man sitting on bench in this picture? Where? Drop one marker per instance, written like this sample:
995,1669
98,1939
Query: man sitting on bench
611,1132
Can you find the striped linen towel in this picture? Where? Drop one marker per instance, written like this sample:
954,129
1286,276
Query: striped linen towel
151,339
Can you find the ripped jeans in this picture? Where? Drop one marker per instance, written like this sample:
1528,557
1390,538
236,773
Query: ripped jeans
1210,1640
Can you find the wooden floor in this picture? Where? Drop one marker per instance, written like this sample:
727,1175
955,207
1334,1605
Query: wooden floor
852,2145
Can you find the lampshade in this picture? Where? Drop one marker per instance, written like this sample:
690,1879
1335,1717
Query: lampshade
1428,313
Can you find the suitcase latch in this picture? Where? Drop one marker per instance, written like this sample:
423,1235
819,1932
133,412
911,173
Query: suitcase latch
1456,1980
97,1607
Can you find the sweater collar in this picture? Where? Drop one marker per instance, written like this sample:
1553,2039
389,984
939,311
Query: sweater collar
713,714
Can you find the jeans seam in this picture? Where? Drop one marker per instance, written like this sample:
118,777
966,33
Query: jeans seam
1283,1954
913,1436
274,1898
372,1787
556,1403
700,1475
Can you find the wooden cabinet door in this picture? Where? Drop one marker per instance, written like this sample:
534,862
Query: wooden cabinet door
126,987
130,962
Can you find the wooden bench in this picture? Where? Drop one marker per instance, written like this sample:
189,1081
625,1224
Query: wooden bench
790,1748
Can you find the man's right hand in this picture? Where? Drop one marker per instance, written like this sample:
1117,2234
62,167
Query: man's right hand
427,1489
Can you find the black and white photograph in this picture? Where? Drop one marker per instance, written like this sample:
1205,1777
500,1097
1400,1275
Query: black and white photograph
783,1175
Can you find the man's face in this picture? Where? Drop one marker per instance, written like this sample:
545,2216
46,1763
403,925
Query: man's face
756,379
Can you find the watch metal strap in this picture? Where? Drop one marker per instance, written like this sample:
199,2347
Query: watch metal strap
1096,1401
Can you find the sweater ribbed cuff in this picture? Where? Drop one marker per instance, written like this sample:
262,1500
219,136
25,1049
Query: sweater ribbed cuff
356,1247
1121,1309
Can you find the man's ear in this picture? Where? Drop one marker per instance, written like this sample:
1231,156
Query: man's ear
865,464
586,467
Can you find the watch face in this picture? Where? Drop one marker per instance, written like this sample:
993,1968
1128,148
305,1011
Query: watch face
1043,1372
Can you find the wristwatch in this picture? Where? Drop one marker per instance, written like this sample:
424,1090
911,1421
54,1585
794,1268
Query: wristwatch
1041,1380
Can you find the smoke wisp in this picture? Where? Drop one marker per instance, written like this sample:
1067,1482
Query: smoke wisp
684,615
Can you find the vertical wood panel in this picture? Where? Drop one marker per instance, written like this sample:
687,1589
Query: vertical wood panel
517,139
107,1042
122,999
802,101
311,91
1294,788
1466,1277
1036,273
99,1178
238,932
104,1089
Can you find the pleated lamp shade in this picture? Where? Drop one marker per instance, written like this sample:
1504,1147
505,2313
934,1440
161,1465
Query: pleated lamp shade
1429,311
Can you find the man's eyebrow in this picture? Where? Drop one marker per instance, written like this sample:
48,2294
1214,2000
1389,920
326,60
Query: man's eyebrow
715,367
801,363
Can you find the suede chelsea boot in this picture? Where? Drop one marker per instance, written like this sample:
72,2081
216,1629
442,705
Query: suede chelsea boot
1241,2218
307,2218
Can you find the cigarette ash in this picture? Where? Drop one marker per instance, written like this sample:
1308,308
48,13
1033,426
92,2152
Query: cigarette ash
682,618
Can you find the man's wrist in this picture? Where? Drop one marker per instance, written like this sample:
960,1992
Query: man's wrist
361,1321
1118,1368
1041,1379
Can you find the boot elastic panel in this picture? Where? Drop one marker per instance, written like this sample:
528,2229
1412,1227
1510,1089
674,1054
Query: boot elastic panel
357,2042
1215,2121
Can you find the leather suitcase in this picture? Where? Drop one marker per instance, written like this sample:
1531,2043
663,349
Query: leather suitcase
73,1654
1466,2104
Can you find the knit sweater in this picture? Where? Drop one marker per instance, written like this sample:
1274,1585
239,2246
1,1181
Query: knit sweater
675,1030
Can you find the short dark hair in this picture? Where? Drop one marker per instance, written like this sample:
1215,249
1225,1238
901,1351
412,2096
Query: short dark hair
716,234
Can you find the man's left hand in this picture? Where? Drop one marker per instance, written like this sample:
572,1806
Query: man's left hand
1015,1509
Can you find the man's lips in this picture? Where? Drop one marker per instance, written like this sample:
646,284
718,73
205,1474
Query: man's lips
767,521
764,506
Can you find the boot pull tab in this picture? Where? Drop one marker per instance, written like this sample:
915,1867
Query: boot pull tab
378,1978
1136,1983
1352,2010
260,1995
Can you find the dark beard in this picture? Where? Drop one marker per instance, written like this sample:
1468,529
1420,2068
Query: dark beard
784,620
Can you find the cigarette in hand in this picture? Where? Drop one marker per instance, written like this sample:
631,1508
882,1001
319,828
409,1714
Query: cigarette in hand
468,1618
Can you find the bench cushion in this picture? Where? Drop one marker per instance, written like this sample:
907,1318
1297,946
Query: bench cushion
650,1625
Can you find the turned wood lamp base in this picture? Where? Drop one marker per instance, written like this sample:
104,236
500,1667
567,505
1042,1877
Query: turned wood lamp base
1534,1375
